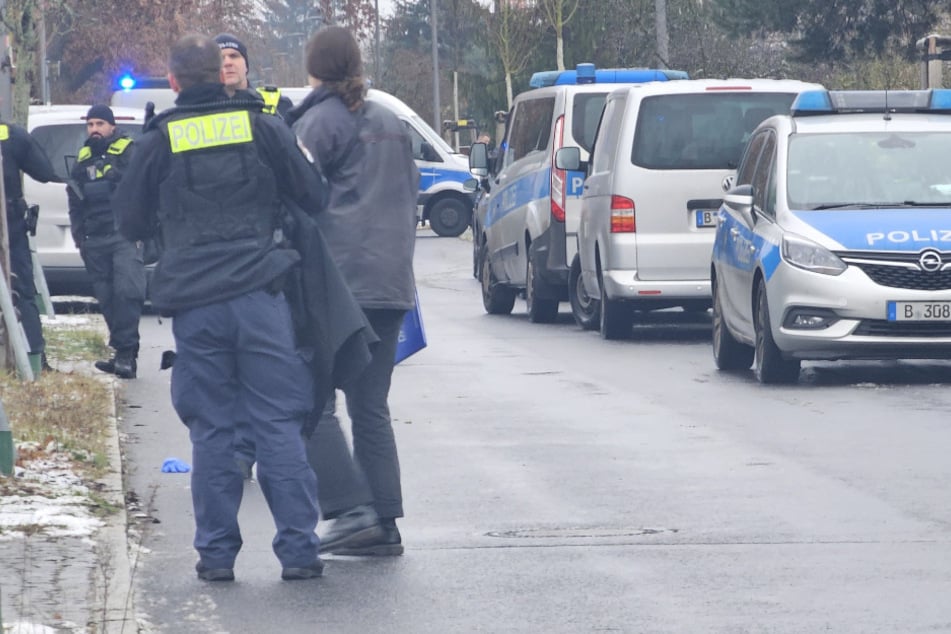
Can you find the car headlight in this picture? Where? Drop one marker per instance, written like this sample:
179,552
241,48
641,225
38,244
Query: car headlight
810,256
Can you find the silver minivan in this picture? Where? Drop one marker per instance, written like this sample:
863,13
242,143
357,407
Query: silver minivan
662,158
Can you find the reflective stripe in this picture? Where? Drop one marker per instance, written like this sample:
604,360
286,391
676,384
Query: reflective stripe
212,130
119,145
84,153
271,98
4,132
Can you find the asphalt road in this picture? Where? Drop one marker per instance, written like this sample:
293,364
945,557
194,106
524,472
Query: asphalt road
556,482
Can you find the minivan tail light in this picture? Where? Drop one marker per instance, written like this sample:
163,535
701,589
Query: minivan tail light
559,178
622,215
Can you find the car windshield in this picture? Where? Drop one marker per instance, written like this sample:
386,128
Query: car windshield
868,169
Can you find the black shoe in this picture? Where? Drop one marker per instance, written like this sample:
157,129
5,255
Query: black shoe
359,526
45,364
125,365
388,544
108,366
214,574
316,569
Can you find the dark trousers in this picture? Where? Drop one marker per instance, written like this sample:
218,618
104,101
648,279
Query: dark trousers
235,355
372,472
21,265
118,282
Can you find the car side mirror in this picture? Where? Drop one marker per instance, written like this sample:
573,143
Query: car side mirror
568,158
479,160
740,199
470,184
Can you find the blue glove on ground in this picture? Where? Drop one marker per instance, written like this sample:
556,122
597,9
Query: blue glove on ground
174,465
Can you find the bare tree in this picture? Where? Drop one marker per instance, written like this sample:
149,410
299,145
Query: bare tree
660,19
511,28
20,19
559,13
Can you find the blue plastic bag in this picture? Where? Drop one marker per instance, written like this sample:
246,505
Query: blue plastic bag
174,465
412,334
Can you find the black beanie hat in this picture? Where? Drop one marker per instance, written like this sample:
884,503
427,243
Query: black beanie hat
333,55
226,40
101,111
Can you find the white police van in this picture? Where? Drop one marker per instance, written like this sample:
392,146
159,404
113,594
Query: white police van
525,225
443,200
835,242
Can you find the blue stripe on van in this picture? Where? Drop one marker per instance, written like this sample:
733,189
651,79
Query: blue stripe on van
431,176
517,194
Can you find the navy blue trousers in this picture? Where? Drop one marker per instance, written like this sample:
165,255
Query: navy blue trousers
118,282
236,360
21,265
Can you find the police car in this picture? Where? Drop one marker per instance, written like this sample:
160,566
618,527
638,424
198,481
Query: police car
835,242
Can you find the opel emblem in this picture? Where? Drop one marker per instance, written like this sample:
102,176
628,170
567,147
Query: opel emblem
930,260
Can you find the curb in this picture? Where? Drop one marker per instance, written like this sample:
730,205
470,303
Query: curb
112,592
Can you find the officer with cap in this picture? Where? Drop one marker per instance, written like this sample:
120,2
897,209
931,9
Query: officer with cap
21,153
211,173
114,264
234,68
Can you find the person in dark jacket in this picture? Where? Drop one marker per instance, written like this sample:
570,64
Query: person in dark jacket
22,154
234,72
114,264
211,173
370,228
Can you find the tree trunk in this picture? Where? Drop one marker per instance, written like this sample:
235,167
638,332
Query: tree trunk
660,21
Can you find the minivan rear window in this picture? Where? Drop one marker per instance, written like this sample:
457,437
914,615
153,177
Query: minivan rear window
585,114
700,131
64,140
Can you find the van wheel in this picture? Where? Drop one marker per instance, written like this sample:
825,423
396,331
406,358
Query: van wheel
585,309
497,299
616,318
540,311
769,364
728,353
449,217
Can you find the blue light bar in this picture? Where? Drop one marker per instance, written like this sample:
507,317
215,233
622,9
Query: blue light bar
815,102
127,82
588,74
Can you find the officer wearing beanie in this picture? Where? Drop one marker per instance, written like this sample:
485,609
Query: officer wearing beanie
212,173
114,263
234,73
22,154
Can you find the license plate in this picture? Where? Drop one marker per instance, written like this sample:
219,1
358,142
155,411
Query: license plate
706,218
919,311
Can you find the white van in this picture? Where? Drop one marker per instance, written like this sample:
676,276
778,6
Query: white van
61,131
662,158
443,201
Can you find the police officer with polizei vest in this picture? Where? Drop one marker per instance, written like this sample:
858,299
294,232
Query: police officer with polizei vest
114,264
21,153
235,68
211,173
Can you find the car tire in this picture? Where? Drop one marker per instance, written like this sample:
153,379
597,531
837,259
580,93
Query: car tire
728,353
476,257
769,364
497,299
449,217
616,318
585,309
540,310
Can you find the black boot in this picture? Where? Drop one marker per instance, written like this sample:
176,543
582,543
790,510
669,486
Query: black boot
108,366
125,364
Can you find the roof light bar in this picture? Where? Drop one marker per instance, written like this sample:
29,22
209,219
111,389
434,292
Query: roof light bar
817,102
588,74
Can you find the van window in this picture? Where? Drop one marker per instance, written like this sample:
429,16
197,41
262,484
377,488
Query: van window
602,158
417,141
531,129
585,114
61,140
701,131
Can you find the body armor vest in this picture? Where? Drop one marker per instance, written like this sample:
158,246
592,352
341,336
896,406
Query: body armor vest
97,186
218,189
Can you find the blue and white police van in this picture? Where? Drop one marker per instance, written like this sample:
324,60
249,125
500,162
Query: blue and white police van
525,224
835,242
444,203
